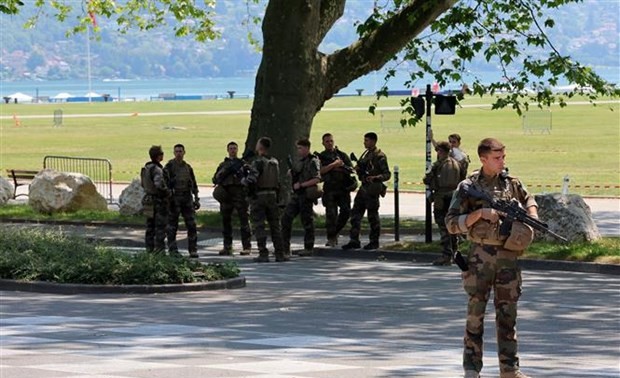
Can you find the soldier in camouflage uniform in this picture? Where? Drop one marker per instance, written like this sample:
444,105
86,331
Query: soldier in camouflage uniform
443,179
235,199
183,185
372,169
336,170
305,174
264,187
491,264
156,201
456,152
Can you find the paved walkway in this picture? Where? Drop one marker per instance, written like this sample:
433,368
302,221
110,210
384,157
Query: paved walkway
308,318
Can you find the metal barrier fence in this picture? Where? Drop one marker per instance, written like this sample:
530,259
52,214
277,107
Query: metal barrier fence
99,171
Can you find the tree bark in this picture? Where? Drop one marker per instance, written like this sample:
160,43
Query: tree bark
295,79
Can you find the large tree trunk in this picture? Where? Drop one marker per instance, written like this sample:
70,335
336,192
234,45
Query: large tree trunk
295,79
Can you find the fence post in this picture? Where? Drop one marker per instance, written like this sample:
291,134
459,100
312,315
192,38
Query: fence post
396,206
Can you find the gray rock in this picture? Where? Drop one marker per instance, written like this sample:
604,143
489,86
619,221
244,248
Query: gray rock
130,201
52,191
568,216
6,191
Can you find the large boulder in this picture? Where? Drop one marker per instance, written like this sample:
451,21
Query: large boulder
567,215
130,201
51,191
6,191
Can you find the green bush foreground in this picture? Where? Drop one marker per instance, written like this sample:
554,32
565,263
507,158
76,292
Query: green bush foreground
37,255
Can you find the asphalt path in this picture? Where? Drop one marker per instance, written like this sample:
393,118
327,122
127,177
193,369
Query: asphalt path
310,318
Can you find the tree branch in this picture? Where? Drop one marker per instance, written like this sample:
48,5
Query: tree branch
373,50
331,11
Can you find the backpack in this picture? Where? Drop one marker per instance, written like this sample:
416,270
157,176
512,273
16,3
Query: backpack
449,174
146,178
270,174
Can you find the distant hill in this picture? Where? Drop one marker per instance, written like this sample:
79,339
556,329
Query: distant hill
588,32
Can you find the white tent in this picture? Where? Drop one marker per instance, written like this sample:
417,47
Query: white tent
62,96
21,97
92,94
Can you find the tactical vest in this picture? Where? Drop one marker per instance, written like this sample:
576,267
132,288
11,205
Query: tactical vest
483,231
180,176
269,174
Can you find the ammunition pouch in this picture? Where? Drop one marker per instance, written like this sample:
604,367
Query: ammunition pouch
485,232
521,236
313,193
221,194
350,183
148,206
376,189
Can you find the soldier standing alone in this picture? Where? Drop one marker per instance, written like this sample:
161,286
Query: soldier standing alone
232,195
305,173
263,180
183,185
155,202
443,179
336,168
492,259
372,169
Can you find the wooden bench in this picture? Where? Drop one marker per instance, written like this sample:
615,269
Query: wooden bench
20,174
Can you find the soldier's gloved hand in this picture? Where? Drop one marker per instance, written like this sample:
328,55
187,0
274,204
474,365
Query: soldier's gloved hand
196,203
489,214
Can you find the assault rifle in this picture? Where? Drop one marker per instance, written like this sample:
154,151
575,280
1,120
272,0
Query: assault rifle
346,168
362,168
510,211
236,167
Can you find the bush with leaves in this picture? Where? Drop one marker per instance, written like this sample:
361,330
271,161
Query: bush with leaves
38,255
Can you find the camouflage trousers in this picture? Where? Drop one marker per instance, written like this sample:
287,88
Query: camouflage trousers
182,205
264,208
363,203
492,267
239,203
441,204
155,235
298,205
337,211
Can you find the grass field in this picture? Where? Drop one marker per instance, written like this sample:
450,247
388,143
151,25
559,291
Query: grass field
584,142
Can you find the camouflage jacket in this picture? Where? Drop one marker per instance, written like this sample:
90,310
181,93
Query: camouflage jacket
230,179
306,168
499,187
374,163
337,177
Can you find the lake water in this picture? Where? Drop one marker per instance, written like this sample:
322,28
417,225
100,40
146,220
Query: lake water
243,86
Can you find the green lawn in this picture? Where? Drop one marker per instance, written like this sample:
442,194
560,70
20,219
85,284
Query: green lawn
583,143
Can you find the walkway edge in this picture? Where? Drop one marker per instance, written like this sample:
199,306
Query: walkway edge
428,257
70,289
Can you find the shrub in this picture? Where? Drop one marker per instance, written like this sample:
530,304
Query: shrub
40,255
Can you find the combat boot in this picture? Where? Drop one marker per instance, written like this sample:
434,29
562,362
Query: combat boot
305,253
513,374
372,245
282,257
193,254
226,251
246,252
263,256
332,242
443,261
352,245
471,374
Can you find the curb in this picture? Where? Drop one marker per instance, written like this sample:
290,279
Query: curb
70,289
428,257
